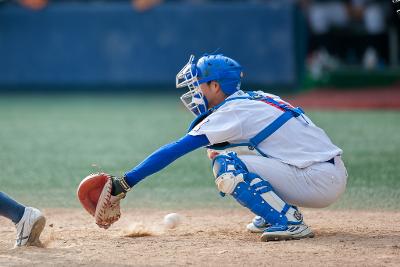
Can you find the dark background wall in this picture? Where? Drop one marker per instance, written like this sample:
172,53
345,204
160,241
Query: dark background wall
109,44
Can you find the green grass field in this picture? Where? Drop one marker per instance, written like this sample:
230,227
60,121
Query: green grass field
49,143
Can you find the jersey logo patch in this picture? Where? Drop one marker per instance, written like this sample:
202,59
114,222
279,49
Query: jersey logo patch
198,126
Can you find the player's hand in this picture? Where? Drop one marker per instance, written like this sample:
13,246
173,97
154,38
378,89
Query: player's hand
211,154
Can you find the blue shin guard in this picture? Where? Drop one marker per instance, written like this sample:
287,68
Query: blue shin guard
256,194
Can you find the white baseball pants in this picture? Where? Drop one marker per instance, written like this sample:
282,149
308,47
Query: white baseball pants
316,186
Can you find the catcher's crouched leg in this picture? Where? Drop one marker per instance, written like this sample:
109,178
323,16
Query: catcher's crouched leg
232,177
100,194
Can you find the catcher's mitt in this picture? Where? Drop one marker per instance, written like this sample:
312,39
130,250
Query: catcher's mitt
94,193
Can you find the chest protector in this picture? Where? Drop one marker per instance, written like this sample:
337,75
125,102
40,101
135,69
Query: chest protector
251,147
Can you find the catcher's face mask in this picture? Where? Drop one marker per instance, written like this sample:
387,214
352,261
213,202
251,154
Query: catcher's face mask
194,100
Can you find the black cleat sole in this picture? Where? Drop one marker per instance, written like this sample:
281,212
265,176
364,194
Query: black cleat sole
36,231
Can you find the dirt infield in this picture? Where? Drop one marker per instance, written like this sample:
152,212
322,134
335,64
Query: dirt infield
207,238
373,98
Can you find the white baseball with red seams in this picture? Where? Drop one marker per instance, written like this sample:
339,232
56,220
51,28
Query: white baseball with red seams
172,220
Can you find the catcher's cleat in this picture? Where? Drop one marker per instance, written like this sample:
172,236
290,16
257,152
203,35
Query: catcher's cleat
29,228
286,232
257,225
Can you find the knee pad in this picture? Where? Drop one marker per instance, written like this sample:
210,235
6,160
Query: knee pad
228,171
227,182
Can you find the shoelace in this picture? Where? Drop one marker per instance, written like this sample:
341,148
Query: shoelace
21,236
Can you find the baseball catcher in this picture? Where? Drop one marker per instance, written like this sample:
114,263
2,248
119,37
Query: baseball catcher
266,154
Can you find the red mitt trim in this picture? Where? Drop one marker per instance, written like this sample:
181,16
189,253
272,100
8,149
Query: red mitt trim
89,191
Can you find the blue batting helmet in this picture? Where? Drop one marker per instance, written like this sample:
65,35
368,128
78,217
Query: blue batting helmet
224,70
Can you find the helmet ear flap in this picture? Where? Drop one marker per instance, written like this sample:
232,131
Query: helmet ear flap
231,81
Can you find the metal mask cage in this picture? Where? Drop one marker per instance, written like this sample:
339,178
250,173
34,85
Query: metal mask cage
193,99
187,75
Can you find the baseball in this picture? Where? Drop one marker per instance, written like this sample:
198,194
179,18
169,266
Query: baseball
172,220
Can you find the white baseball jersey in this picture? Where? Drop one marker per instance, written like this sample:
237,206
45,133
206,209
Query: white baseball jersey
299,142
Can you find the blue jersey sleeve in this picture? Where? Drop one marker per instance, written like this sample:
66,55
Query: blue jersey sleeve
165,156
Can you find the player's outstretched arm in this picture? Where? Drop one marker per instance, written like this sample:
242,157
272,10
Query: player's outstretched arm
165,156
100,193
